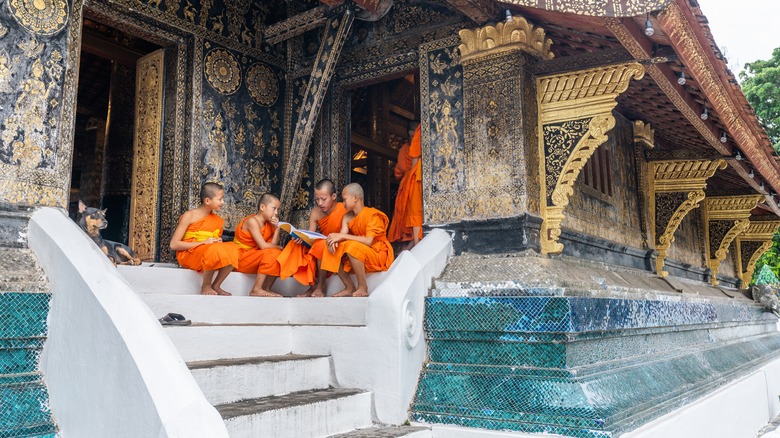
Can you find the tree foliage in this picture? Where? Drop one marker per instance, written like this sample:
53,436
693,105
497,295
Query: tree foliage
760,82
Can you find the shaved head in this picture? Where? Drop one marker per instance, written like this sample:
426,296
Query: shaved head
266,199
354,189
209,190
325,184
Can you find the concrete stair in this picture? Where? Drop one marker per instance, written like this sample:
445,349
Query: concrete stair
242,353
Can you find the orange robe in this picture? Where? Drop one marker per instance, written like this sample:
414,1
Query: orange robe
298,261
209,256
408,212
377,257
253,260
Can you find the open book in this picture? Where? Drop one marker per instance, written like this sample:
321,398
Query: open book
308,237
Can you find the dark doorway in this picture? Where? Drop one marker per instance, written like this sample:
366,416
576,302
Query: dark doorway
105,110
382,115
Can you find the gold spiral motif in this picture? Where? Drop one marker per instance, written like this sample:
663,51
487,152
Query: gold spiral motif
223,71
42,17
262,84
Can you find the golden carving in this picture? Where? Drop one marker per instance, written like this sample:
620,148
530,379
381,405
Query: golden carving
5,72
147,154
720,210
42,17
676,176
603,8
262,84
223,71
757,231
517,34
644,134
573,97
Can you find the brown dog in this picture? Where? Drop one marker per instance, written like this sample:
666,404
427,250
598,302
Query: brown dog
92,221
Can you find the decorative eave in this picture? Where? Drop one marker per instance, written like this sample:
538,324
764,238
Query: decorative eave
504,36
603,8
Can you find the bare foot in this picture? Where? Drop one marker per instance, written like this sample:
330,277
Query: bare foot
222,292
263,293
207,290
360,292
317,292
344,293
308,292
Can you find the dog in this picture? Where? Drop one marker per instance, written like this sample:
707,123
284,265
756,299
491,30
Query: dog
93,221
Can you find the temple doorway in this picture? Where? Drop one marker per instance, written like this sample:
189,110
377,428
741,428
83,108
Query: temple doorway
381,119
107,123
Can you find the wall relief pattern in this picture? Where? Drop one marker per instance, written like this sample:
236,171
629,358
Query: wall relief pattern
33,59
242,140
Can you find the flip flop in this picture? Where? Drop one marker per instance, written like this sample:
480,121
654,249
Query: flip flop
174,319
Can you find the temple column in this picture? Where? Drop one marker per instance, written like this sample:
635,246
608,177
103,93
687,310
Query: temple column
751,245
575,115
675,188
725,218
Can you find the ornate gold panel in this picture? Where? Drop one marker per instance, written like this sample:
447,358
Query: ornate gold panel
517,34
725,217
751,245
644,134
147,154
575,115
676,188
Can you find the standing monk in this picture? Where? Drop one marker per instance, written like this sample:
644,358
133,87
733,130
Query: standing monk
198,243
408,213
258,237
361,246
300,262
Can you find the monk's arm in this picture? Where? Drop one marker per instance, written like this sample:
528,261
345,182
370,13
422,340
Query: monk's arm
275,237
254,229
344,234
314,217
177,244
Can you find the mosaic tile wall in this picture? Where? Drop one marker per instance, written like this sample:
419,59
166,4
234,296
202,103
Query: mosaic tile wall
575,365
24,409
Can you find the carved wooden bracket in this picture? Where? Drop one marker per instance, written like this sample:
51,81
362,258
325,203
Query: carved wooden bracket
676,188
753,243
575,115
725,218
517,34
644,134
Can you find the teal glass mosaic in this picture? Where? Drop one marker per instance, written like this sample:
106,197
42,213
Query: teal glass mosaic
581,366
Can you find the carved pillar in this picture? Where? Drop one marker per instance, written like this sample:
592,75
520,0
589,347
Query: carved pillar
575,115
334,35
676,188
751,244
725,218
499,115
644,140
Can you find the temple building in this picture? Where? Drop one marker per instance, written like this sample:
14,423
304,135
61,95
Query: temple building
597,192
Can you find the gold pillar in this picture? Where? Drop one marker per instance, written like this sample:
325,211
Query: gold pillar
575,115
725,218
751,244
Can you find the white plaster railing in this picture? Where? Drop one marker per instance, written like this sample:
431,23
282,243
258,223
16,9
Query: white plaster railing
109,367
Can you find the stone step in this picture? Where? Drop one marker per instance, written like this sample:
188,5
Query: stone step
42,430
200,342
23,315
256,310
305,414
24,287
13,225
20,356
230,380
387,432
23,405
18,259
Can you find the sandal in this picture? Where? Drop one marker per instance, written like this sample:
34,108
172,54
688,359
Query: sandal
174,319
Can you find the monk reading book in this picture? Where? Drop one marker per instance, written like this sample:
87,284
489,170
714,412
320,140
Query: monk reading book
408,213
360,247
299,261
307,237
198,243
258,237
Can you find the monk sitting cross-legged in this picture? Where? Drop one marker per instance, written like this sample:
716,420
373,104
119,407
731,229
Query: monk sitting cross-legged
197,241
300,262
258,237
361,246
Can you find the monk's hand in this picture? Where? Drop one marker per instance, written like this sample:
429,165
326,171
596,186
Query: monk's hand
275,221
297,240
213,240
332,247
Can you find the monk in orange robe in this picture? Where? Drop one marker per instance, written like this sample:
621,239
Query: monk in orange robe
258,237
408,213
360,247
300,262
197,241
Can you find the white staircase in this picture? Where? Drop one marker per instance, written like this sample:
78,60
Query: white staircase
242,352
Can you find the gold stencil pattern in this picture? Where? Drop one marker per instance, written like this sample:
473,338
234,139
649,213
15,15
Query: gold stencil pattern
262,84
42,17
223,71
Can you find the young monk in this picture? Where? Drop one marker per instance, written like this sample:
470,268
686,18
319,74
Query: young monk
407,216
296,260
258,237
362,242
197,241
